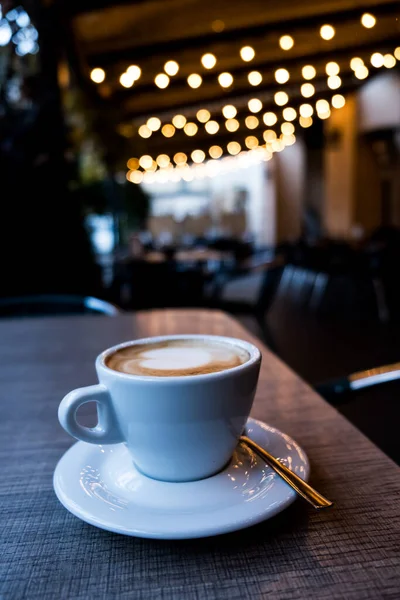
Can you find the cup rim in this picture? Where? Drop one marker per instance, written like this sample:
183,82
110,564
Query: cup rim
254,352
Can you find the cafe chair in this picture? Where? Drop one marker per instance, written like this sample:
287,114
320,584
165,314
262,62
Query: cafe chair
55,304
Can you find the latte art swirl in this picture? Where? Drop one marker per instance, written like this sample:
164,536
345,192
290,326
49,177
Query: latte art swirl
178,357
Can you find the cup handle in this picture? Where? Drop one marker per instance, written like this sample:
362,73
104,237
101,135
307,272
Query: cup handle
107,430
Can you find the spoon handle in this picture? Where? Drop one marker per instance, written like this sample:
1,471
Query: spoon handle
299,485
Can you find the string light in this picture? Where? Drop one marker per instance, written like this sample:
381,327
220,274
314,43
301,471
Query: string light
338,101
190,129
180,158
325,115
377,60
368,20
233,148
135,176
153,167
308,72
144,131
232,125
307,90
254,78
289,114
281,98
225,80
145,161
305,122
255,105
289,139
306,110
218,25
389,61
211,127
208,60
126,80
198,156
270,119
203,115
251,122
163,160
161,80
251,142
327,32
215,151
229,111
269,135
194,80
286,42
397,53
282,75
356,62
332,68
154,123
361,72
97,75
277,145
322,106
247,53
287,128
133,164
171,67
168,130
134,71
334,82
179,121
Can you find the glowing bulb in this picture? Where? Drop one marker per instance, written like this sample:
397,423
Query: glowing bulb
334,82
168,130
270,119
134,71
203,115
255,105
338,101
251,122
145,161
233,148
332,68
368,20
154,123
254,78
361,72
180,158
308,72
126,80
161,80
322,106
153,167
307,90
198,156
225,80
163,160
397,53
133,164
251,142
135,176
356,62
282,75
389,61
269,135
287,128
286,42
324,115
289,140
97,75
327,32
218,25
306,110
247,53
190,129
144,131
171,67
232,125
229,111
306,121
194,80
215,152
377,60
289,114
211,127
208,60
281,98
179,121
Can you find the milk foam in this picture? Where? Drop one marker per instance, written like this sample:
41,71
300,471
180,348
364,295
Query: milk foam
175,358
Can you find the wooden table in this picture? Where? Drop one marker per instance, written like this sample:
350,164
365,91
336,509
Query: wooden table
350,552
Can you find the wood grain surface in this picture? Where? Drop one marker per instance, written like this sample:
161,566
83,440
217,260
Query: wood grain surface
349,552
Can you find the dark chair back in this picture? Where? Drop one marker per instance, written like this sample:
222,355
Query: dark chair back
55,304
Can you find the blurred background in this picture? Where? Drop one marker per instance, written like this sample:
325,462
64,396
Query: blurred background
217,154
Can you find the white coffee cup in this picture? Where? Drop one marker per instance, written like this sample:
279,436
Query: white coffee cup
178,428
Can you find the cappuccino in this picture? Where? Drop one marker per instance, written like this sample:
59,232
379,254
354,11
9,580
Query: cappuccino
177,357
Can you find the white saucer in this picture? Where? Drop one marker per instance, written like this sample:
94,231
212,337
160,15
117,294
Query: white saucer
100,485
